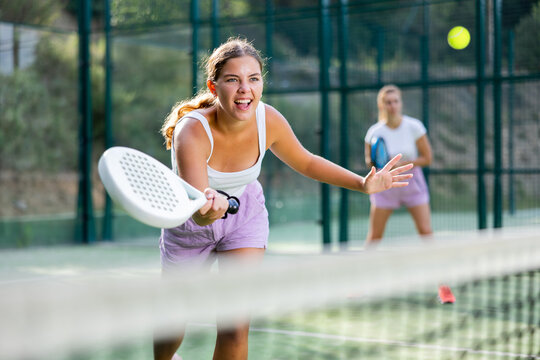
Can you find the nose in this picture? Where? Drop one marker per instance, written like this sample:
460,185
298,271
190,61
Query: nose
243,87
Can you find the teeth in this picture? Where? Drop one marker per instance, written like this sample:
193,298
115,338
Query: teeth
242,101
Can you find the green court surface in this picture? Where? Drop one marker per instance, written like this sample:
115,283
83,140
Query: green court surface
301,237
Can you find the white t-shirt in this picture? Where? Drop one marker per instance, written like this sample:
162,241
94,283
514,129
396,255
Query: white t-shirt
401,140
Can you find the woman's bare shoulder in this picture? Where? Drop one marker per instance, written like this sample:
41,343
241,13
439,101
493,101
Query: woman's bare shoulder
190,131
273,116
277,128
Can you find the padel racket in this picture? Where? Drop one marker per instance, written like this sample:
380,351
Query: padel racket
148,190
379,154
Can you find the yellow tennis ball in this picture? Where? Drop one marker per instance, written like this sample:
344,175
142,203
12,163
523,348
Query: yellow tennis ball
459,38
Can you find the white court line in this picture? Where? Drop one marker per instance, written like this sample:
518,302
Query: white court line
383,342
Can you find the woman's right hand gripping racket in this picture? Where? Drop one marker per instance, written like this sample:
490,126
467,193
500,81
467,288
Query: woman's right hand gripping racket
148,190
379,153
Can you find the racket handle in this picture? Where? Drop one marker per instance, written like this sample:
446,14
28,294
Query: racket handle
234,205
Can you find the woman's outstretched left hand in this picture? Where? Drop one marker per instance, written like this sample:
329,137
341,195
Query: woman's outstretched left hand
387,178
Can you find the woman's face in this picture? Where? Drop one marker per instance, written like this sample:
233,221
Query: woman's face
239,87
392,104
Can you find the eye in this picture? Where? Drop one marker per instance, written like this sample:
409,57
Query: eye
255,78
231,80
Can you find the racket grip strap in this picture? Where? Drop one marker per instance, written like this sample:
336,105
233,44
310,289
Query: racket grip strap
234,203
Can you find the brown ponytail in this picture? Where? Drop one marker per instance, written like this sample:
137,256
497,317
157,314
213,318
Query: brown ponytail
201,101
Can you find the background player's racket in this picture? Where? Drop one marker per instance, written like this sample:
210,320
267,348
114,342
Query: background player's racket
379,154
148,190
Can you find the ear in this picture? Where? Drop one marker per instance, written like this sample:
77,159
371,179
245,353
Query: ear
211,86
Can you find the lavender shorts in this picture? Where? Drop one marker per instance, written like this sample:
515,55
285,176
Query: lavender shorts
416,193
191,244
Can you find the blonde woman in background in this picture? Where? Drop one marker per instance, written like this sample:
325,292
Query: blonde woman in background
404,135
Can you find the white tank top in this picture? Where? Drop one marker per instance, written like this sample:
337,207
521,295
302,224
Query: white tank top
233,183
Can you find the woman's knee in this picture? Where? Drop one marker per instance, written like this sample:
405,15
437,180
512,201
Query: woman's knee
238,334
166,348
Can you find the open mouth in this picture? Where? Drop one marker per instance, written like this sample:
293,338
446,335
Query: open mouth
243,104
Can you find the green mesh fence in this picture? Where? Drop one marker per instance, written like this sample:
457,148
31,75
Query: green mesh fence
157,48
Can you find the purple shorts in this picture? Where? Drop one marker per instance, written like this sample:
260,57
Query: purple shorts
416,193
190,244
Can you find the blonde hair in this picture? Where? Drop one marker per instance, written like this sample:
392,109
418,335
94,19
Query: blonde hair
380,99
232,48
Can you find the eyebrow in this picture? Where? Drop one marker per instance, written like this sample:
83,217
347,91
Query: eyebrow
233,75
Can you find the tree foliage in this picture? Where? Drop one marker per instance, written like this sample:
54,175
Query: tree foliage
36,12
149,78
528,40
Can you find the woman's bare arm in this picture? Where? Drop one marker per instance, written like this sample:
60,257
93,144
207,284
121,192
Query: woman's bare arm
284,144
192,149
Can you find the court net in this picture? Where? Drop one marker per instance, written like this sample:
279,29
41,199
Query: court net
378,304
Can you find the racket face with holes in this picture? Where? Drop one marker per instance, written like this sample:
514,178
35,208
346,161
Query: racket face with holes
146,189
379,154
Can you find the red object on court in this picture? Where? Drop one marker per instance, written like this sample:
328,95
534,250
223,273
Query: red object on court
445,295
